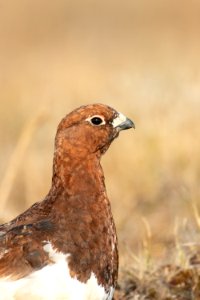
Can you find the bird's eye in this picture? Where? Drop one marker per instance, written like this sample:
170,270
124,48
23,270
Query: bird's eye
96,121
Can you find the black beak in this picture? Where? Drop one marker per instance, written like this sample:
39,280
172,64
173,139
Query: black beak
127,124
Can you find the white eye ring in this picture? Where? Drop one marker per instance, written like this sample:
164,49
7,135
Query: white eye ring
96,120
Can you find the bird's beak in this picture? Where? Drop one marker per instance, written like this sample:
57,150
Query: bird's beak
121,122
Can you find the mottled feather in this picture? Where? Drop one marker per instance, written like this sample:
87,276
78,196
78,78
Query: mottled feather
75,218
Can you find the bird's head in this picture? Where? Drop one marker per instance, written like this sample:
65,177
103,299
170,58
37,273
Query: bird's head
91,129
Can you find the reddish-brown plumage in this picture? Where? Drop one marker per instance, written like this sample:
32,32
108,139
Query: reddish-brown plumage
75,216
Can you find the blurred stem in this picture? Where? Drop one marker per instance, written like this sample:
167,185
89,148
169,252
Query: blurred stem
16,160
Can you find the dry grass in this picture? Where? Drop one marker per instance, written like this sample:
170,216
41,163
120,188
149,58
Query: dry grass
141,57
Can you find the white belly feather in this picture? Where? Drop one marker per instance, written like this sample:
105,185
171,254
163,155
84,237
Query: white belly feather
53,282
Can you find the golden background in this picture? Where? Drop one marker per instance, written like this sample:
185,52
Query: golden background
142,58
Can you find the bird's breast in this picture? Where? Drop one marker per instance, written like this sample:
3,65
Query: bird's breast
53,282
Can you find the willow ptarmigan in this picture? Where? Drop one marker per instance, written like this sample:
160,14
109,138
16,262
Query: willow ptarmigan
65,247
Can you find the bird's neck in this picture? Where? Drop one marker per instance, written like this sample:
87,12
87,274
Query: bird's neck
75,176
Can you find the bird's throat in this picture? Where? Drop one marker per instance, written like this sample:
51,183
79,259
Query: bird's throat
77,177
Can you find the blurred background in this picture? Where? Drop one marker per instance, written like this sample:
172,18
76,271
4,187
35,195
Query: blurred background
139,56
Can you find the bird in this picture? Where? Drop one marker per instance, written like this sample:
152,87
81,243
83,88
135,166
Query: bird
65,246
